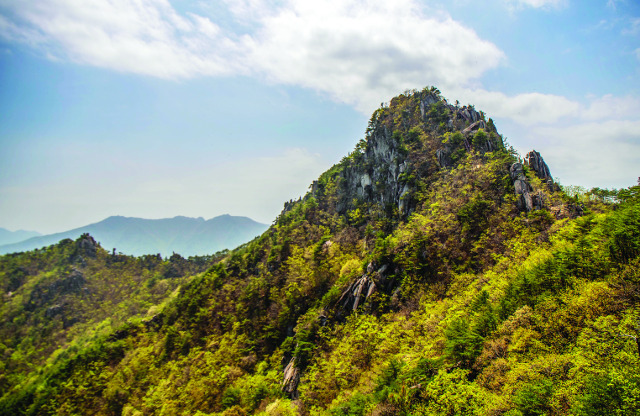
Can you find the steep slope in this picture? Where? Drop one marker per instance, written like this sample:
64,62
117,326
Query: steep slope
138,236
10,237
429,272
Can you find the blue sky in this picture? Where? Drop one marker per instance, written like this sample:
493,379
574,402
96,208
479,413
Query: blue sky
157,108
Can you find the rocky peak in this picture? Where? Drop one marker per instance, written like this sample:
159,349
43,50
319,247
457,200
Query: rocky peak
537,164
380,168
529,199
86,245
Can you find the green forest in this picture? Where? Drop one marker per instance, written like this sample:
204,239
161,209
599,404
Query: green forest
432,271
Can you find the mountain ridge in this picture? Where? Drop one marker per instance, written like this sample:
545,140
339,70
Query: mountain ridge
138,236
10,237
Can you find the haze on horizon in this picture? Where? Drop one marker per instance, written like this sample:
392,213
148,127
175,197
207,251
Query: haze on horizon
161,108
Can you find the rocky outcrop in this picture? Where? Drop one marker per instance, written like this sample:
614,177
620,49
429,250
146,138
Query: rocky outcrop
528,198
537,164
523,188
357,292
379,170
291,379
480,124
362,288
426,102
377,174
53,311
87,246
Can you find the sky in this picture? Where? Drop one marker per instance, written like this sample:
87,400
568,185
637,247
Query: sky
158,108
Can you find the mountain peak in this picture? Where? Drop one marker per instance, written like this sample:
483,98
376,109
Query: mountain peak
418,134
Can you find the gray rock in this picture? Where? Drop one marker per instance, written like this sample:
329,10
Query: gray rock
53,311
87,246
291,379
357,292
522,187
480,124
537,164
426,102
443,158
376,177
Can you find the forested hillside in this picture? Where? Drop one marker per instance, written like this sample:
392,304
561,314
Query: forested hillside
432,271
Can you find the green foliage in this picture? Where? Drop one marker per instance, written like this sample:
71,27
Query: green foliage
609,394
357,405
473,215
463,344
623,229
533,399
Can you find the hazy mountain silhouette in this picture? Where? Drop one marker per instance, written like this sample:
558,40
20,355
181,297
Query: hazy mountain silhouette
10,237
138,236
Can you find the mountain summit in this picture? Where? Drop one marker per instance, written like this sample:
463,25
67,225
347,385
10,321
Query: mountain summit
432,271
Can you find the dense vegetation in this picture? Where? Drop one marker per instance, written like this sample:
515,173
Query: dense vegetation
427,290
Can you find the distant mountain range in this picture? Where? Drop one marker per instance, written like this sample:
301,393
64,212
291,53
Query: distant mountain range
10,237
137,236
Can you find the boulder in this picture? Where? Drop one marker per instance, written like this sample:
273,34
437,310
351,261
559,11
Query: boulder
426,102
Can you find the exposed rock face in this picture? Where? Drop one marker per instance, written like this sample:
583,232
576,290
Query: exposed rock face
381,168
362,288
426,102
523,188
538,165
469,122
377,177
480,124
291,379
357,291
530,200
87,246
53,311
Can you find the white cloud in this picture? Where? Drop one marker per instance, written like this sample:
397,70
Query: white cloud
593,142
612,107
359,52
146,37
364,52
537,109
605,154
526,109
537,4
